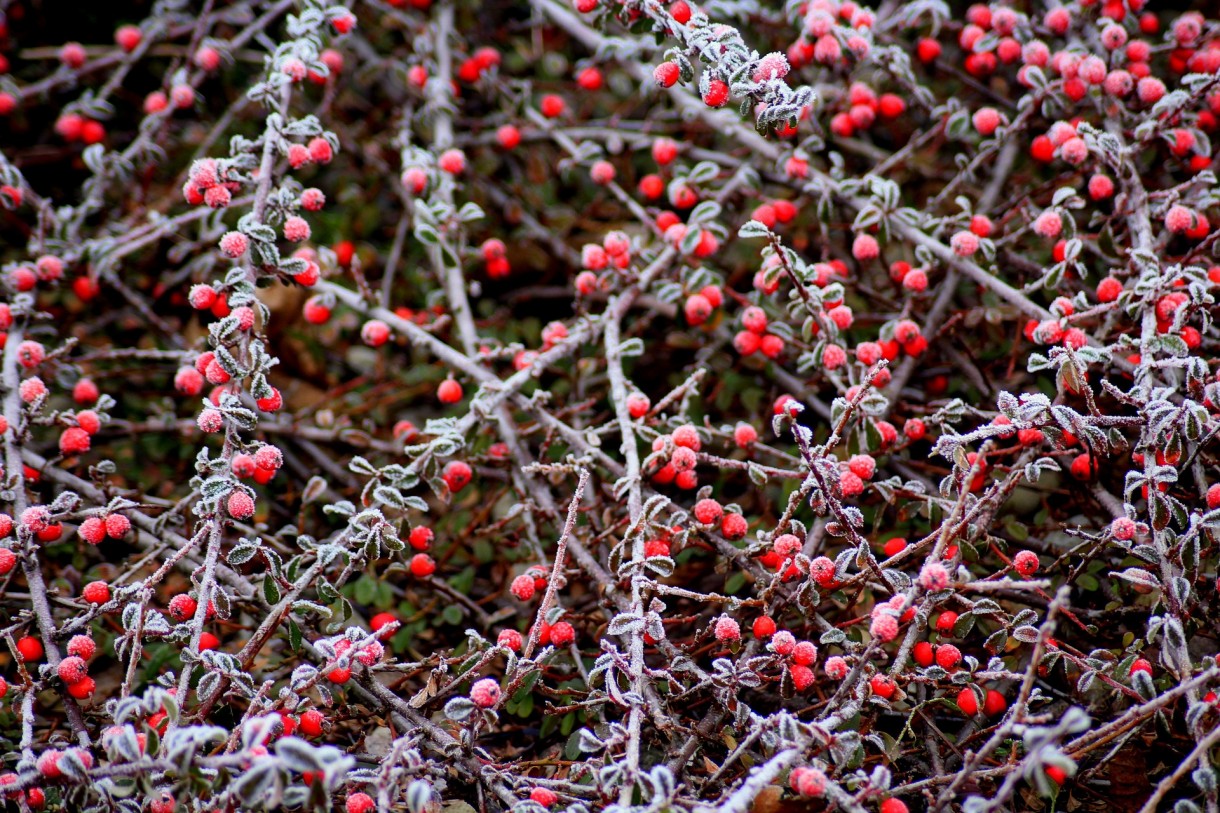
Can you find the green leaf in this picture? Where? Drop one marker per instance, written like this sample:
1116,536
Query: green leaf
294,636
365,590
271,590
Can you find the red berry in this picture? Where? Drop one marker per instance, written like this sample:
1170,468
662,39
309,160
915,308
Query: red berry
1026,563
708,512
948,656
552,106
945,622
422,565
562,633
72,670
117,526
96,593
456,475
449,392
882,686
312,722
92,530
523,587
726,629
717,93
381,620
763,627
543,796
29,648
734,526
485,693
360,803
240,505
81,646
666,74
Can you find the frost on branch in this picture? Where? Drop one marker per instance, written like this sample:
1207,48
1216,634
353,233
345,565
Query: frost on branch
624,405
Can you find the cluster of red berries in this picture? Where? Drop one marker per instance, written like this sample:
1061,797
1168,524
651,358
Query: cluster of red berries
47,268
533,581
368,654
615,251
96,528
675,457
864,108
77,439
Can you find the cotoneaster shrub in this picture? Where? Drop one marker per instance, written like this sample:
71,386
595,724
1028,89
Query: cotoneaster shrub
621,405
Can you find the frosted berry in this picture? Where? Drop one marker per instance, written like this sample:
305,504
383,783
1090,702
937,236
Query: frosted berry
1049,224
934,577
726,629
805,653
93,530
360,803
708,511
296,229
523,587
182,607
697,309
717,93
734,526
1026,563
884,627
210,420
240,505
452,162
562,633
80,646
456,475
74,440
30,354
666,74
375,333
543,796
809,782
948,656
485,693
744,435
72,670
35,518
96,593
272,402
234,244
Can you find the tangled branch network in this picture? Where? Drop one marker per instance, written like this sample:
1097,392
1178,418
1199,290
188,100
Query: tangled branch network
428,405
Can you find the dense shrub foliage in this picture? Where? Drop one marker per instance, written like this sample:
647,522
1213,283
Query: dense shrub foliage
431,405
